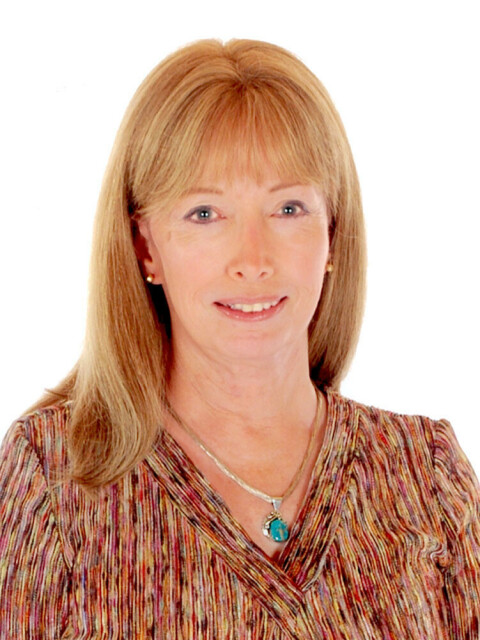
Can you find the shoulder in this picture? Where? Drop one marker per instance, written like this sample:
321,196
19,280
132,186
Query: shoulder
43,435
427,446
396,437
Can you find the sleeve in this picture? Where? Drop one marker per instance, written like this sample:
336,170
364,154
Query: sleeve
458,495
33,574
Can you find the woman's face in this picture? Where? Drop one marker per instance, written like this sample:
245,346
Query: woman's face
241,264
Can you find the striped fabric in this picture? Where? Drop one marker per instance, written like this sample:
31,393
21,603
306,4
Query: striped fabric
386,546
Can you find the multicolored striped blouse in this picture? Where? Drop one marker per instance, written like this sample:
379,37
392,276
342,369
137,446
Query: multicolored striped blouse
386,545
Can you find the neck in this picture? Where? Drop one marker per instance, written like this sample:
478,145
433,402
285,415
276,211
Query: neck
246,397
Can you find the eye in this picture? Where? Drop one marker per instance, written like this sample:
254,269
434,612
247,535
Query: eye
292,209
202,215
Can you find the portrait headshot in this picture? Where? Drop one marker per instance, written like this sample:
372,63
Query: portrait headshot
240,352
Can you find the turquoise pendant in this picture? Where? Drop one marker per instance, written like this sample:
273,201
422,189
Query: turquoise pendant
275,527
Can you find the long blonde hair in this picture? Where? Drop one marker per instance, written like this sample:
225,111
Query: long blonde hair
232,106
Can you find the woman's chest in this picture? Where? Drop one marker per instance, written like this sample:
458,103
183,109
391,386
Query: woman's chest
161,564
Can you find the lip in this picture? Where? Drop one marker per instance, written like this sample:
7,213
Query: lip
251,316
250,300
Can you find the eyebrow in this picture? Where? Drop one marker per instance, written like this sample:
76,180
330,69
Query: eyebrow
277,187
203,190
286,185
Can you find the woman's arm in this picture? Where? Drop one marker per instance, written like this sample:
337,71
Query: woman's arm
458,494
33,574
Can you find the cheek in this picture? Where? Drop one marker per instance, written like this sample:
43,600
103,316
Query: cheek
312,255
185,275
312,271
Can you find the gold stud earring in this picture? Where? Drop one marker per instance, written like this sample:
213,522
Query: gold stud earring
329,268
149,278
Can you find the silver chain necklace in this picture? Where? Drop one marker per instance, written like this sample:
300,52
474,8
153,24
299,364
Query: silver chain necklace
274,525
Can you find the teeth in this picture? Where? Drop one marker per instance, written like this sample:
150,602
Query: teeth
252,308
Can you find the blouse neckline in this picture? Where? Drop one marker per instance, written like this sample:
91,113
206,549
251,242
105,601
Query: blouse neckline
301,560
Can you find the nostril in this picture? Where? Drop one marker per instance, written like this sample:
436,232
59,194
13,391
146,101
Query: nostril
250,273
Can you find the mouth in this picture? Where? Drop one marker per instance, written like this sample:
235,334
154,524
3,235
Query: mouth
258,309
254,307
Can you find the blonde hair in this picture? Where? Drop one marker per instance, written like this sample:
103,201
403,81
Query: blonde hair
234,107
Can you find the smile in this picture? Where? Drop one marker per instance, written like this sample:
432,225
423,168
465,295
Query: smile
251,311
253,308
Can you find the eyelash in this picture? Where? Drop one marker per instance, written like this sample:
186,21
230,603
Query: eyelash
206,209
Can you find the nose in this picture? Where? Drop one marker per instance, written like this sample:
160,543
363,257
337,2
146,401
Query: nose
251,257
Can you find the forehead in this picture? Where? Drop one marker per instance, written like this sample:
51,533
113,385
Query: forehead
244,185
222,165
212,180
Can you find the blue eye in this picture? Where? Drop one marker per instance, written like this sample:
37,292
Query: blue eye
201,215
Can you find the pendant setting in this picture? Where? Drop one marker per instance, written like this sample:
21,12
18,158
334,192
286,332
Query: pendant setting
274,526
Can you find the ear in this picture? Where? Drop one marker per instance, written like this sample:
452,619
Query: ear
145,250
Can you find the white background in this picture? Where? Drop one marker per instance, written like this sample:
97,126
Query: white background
405,78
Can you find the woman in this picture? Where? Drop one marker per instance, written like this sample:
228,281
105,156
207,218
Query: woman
198,474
